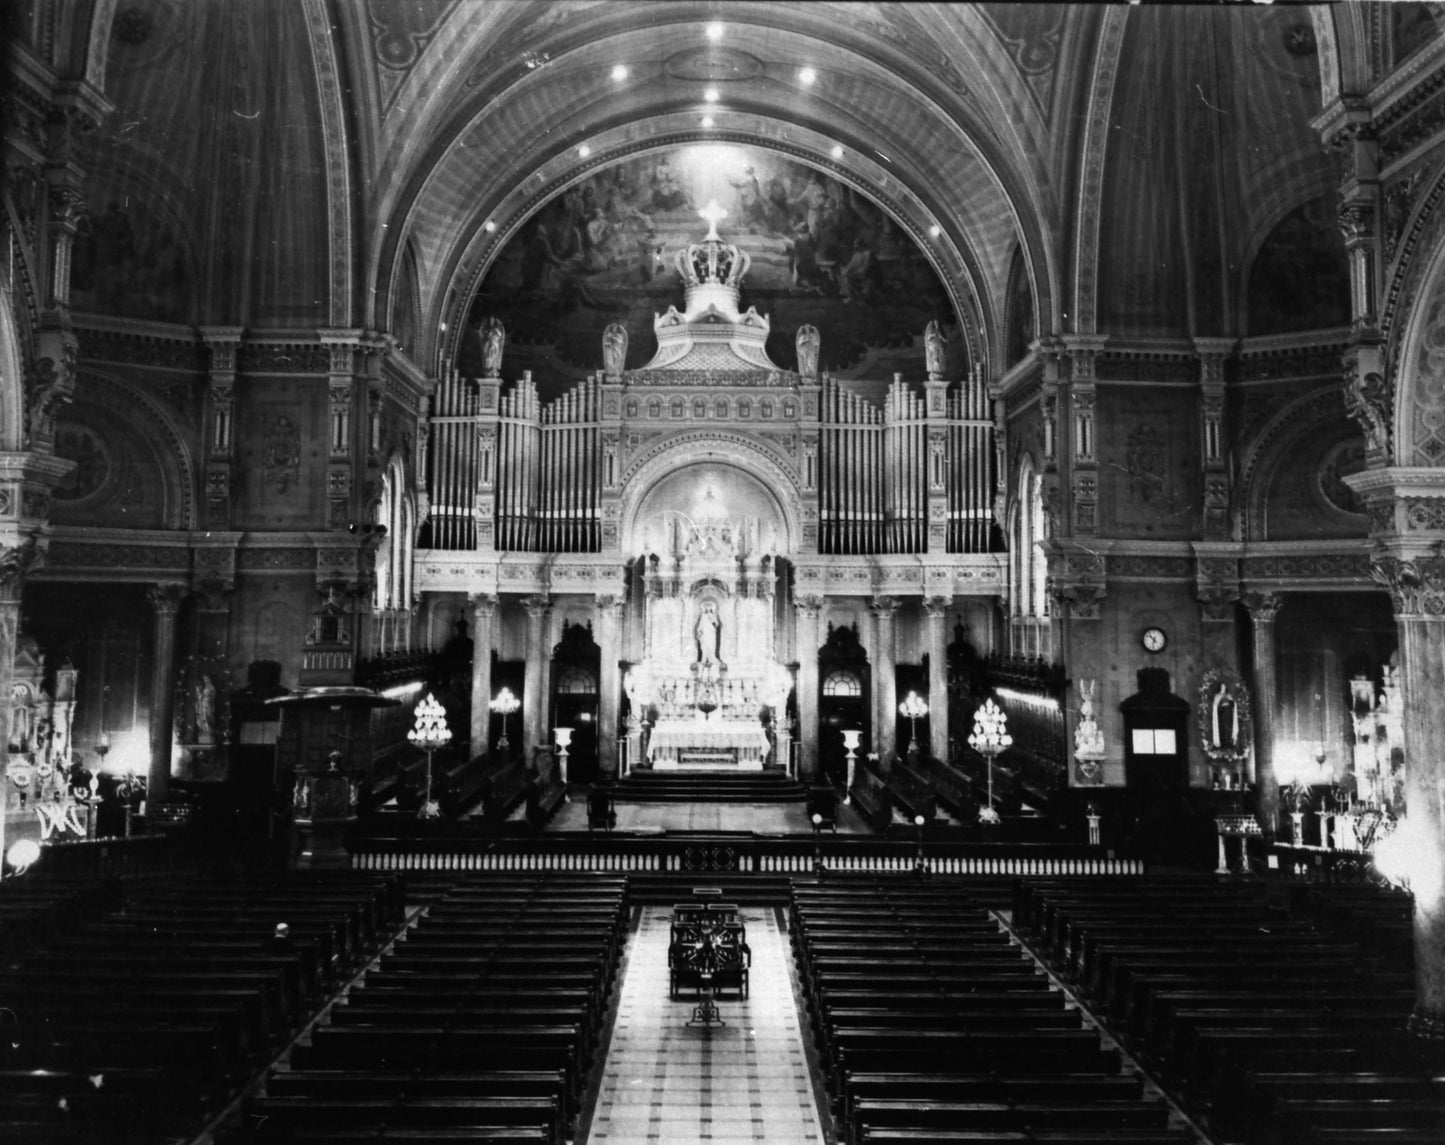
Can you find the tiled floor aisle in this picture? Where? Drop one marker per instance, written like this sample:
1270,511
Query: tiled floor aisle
746,1081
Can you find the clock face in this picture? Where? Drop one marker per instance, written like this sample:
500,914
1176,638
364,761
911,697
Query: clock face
1154,639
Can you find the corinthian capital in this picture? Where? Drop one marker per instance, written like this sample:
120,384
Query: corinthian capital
1416,585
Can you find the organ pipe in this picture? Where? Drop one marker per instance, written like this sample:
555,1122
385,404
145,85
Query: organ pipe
872,468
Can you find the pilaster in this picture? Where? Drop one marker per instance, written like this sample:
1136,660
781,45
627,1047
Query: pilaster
223,342
608,610
165,599
935,611
885,680
1263,608
343,347
484,611
1214,479
808,611
1083,351
534,700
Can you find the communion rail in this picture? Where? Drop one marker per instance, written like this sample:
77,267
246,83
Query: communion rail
741,854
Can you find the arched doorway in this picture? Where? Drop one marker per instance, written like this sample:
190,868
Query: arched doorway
845,688
576,664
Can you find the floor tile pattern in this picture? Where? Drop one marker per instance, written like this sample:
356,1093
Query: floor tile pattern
742,1082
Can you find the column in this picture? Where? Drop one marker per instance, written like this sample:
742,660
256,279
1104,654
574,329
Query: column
1263,607
809,610
1417,592
935,609
609,682
484,609
166,599
885,681
534,706
14,561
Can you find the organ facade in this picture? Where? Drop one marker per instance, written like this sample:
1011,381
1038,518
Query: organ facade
712,489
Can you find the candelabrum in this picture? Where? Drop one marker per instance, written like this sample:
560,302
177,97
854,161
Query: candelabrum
504,704
429,733
564,741
851,740
913,707
989,738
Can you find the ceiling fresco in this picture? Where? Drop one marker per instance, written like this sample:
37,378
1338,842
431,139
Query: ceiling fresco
602,251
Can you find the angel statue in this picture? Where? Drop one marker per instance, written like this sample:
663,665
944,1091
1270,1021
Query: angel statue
494,339
808,351
614,350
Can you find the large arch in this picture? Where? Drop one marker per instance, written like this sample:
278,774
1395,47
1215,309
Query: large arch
1418,429
12,378
730,451
963,180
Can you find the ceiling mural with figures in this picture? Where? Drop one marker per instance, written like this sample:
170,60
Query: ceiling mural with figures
603,251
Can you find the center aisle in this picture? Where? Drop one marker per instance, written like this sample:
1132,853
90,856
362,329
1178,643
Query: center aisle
745,1081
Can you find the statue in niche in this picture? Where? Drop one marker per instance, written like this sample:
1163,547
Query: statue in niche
494,340
205,710
807,342
707,631
933,349
614,350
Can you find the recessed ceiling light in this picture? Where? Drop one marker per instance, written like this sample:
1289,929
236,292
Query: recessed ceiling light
935,230
710,95
619,73
707,121
806,75
714,31
584,151
837,151
489,226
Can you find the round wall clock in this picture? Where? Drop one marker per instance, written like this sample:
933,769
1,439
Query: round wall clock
1154,639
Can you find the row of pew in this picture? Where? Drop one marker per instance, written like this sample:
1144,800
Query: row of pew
140,1021
931,1025
479,1024
1267,1028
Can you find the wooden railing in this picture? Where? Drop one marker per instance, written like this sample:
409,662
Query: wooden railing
744,854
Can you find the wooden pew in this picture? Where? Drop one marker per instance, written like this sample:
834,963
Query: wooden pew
911,793
871,799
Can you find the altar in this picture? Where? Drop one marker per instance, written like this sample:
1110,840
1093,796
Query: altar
696,743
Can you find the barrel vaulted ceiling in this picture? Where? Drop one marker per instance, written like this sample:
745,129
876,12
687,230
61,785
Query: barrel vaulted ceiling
285,158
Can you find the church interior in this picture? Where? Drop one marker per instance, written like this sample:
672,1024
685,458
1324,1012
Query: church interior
601,572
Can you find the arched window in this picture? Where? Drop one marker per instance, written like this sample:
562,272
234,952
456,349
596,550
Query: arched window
397,514
1028,566
1038,556
577,682
842,683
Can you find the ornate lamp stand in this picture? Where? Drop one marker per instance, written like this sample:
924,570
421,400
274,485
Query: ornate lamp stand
914,707
431,732
989,738
851,740
504,704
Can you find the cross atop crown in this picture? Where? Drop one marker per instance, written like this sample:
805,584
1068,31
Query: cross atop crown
712,214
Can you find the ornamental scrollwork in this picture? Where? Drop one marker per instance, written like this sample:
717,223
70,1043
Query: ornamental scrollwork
1369,399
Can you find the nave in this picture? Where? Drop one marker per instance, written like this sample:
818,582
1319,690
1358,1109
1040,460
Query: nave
551,1008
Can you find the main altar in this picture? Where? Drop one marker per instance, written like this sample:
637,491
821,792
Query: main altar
709,686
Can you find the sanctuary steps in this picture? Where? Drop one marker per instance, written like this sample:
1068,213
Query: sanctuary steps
708,786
